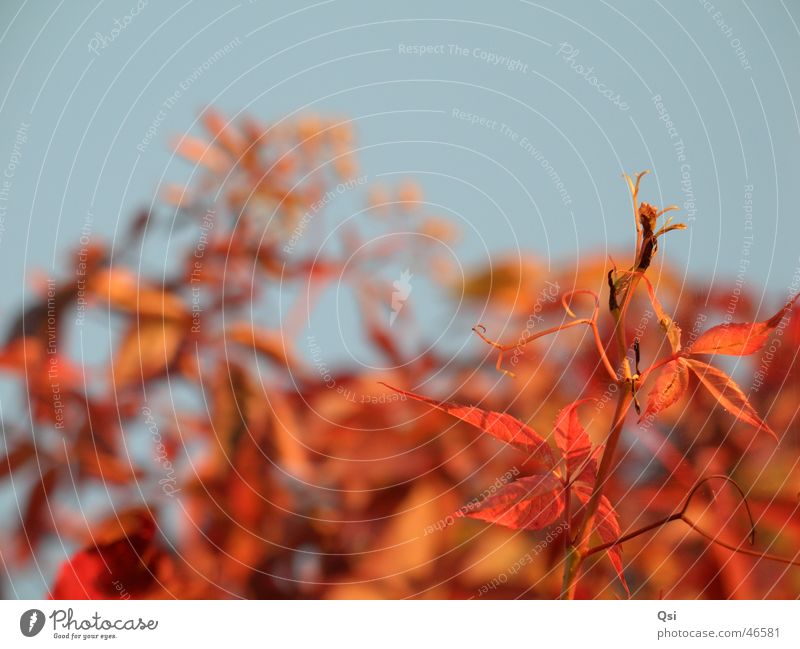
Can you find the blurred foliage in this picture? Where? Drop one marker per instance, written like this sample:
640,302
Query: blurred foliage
278,480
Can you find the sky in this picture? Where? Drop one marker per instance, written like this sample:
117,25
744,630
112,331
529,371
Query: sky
517,118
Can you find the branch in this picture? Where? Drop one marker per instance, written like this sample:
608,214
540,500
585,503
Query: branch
739,548
632,535
681,515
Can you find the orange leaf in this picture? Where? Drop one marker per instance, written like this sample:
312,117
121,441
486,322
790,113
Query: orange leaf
201,152
671,384
147,349
270,343
606,524
530,503
728,394
574,443
497,424
127,292
224,132
739,338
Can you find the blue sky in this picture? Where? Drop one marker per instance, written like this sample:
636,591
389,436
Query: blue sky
582,91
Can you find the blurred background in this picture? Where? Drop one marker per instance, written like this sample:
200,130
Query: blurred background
229,221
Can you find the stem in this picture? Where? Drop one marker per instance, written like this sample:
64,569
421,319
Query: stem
592,322
602,351
681,516
567,515
479,329
739,548
632,535
623,312
577,549
576,552
660,363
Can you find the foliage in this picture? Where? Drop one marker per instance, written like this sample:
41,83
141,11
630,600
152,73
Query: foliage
223,458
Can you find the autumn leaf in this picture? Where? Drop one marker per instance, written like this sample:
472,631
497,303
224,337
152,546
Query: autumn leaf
37,517
671,384
728,394
125,291
107,468
739,338
270,343
16,457
497,424
122,556
200,152
530,503
224,132
606,524
574,443
147,350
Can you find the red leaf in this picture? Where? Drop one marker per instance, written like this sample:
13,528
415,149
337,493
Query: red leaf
16,457
124,561
498,424
606,524
728,394
38,515
671,384
739,338
530,503
574,443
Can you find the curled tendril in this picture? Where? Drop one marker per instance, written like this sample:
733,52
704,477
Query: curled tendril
566,299
565,302
481,331
730,481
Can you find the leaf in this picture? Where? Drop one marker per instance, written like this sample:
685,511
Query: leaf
739,338
574,443
107,468
271,344
497,424
728,394
16,457
606,524
147,350
122,560
37,517
530,503
671,384
224,132
200,152
124,291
